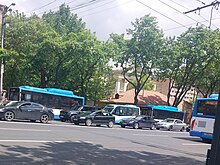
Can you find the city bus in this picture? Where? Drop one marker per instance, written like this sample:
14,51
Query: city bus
203,117
161,112
122,112
57,99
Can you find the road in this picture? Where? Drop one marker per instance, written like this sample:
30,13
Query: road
57,143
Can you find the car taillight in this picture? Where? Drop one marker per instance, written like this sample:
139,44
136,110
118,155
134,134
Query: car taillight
192,124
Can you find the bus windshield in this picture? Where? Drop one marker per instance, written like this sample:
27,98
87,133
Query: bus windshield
108,108
207,107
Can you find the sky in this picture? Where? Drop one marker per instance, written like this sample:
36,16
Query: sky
115,16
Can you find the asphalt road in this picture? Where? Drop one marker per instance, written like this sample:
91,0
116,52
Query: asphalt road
57,143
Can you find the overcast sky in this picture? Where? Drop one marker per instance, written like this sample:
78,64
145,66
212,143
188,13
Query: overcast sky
115,16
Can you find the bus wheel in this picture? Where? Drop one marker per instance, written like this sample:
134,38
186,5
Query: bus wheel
88,122
9,115
110,124
136,126
206,140
44,118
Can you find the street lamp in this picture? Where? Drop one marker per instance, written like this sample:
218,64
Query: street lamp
3,10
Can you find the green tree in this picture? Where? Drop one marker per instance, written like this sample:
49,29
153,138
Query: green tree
24,35
186,59
138,55
63,21
208,82
88,57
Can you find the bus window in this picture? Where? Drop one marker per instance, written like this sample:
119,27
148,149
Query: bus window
207,107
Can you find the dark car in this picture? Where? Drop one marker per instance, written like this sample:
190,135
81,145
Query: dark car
139,122
97,117
67,115
26,111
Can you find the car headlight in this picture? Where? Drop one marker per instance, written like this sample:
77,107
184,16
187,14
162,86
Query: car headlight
82,117
131,121
1,110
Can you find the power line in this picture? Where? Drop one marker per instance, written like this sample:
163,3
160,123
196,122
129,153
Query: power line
178,11
215,3
57,7
187,25
201,2
106,9
161,14
42,6
189,9
95,7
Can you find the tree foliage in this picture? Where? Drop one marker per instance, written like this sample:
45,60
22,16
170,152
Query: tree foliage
139,54
186,59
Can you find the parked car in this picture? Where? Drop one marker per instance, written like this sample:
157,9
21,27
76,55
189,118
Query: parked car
26,111
97,117
139,122
171,124
68,115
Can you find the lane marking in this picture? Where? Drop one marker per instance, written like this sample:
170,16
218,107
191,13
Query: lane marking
17,129
195,144
32,141
150,135
43,141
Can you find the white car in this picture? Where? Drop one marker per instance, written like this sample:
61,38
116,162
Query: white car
171,124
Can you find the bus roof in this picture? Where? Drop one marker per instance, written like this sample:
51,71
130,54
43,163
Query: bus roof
52,91
212,97
164,108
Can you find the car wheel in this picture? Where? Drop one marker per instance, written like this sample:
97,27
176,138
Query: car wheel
76,123
9,116
136,126
44,118
122,126
152,127
72,119
170,128
158,128
88,122
182,129
187,129
110,124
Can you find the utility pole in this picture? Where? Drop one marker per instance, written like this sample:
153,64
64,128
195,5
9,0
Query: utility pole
3,11
213,154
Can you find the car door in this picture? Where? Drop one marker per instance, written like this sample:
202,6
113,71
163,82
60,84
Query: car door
36,111
179,125
147,122
142,122
25,111
98,118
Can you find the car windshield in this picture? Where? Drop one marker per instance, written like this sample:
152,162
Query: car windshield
139,117
76,108
13,103
169,120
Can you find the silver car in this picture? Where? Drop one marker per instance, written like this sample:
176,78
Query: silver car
171,124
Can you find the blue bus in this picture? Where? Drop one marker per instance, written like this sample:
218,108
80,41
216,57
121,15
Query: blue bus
57,99
161,112
203,117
